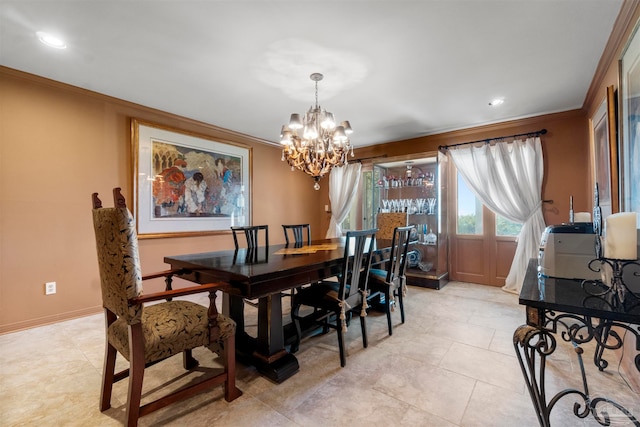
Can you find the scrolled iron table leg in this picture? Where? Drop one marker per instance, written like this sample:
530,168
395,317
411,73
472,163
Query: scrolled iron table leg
533,345
530,342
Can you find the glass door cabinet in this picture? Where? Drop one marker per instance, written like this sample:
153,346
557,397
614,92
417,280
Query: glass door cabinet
411,191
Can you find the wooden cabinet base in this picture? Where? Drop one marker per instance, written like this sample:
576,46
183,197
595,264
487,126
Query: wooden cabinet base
428,281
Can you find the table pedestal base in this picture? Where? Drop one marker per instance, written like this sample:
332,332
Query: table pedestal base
279,370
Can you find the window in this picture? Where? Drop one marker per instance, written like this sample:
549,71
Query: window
504,227
368,200
361,213
349,222
469,210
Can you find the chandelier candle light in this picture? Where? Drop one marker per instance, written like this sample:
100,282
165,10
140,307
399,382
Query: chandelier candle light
313,143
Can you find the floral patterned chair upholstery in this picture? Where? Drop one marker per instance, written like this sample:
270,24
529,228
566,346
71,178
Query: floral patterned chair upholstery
144,335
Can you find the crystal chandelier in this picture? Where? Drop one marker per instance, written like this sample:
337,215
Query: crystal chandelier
314,144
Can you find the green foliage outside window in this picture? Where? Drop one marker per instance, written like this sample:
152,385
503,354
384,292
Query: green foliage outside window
504,227
468,224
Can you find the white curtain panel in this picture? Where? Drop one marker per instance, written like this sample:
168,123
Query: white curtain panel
507,178
343,186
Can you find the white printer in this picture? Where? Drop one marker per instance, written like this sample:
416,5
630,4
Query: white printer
566,250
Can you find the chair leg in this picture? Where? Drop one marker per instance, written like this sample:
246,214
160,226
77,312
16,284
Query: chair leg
343,358
401,305
188,361
295,346
109,365
108,371
387,309
363,326
136,373
231,392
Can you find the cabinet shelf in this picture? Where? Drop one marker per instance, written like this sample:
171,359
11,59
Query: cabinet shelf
427,266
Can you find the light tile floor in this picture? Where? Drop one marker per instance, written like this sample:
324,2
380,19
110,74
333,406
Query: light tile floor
451,364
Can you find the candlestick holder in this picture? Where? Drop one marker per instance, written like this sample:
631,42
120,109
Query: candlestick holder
616,289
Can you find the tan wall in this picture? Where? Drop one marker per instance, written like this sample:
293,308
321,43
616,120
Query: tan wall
59,144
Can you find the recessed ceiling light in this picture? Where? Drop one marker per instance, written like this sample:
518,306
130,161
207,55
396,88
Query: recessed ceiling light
496,102
51,40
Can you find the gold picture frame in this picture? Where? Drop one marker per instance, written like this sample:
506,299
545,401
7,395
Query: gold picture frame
188,184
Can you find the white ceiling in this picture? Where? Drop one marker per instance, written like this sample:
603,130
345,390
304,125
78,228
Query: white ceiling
396,69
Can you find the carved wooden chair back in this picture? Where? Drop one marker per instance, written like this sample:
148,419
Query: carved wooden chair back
147,335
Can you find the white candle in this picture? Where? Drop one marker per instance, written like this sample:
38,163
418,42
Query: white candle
620,236
582,217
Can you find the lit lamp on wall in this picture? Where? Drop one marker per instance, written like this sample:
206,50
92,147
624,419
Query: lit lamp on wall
313,143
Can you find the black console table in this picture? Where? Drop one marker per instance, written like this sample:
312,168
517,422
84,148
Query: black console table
566,306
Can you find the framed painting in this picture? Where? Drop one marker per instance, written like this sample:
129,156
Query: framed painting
629,94
605,149
187,184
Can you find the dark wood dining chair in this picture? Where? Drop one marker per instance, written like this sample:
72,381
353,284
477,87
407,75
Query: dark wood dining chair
297,232
389,285
147,334
333,302
251,233
252,239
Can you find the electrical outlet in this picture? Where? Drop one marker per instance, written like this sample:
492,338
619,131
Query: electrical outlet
50,288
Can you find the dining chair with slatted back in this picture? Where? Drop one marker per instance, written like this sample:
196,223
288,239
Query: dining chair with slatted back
252,239
251,233
390,283
147,334
334,302
298,232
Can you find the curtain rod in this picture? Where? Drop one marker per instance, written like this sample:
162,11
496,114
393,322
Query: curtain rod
370,158
444,148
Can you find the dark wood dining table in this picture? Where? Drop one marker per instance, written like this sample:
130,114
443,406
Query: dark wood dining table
263,274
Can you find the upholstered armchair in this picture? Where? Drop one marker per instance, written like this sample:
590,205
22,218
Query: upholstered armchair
146,334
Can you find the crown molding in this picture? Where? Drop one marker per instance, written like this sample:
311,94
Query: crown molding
625,22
